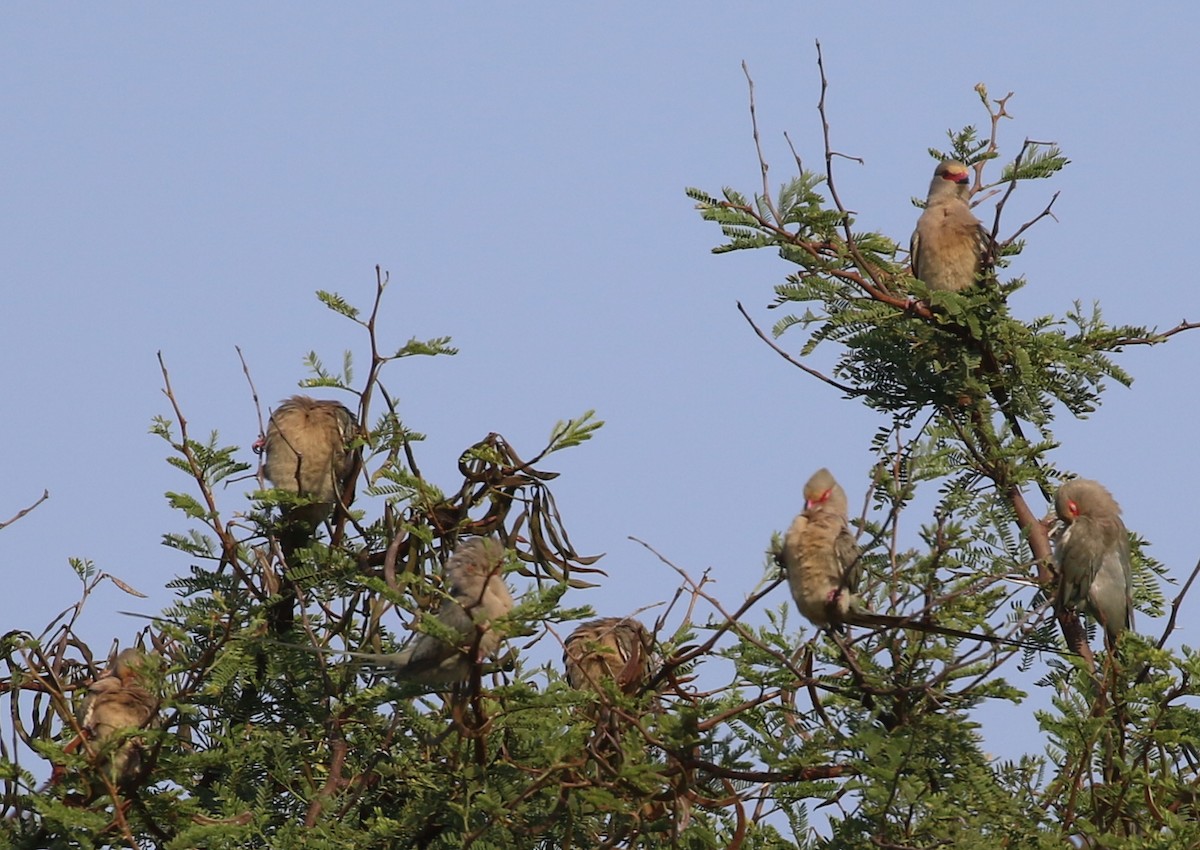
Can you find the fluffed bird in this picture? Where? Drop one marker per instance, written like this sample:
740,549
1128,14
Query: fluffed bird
117,704
949,248
1092,553
308,452
618,650
820,557
615,648
477,597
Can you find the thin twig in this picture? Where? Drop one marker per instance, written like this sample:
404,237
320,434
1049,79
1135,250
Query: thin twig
850,391
1155,339
762,162
45,495
1176,604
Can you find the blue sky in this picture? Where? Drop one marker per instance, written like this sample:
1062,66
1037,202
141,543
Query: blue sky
184,178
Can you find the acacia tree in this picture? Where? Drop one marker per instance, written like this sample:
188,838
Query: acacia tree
740,731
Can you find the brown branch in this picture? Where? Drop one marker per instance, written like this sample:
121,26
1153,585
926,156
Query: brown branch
1043,214
830,153
45,495
1155,339
731,624
762,162
993,146
1175,605
229,545
850,391
335,781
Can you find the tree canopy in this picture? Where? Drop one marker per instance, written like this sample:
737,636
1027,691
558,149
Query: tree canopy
749,728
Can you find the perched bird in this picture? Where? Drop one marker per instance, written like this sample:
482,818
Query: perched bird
819,555
308,452
1092,553
619,650
821,561
478,596
616,648
949,248
118,703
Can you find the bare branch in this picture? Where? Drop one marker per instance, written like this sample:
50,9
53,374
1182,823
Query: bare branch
45,495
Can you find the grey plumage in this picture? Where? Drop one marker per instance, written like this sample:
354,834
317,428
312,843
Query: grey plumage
949,247
1092,553
477,597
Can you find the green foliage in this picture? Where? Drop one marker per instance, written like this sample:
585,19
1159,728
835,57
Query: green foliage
766,736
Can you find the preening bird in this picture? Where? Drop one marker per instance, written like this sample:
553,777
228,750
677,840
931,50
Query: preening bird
308,452
820,556
117,704
615,648
1092,553
949,248
477,597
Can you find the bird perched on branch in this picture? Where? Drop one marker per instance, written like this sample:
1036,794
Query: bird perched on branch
308,452
1092,552
820,557
615,648
949,248
118,704
821,562
477,597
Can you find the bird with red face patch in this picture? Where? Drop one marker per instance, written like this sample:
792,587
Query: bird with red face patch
820,557
949,248
1092,553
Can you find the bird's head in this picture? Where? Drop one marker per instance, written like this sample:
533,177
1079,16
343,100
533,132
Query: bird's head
953,171
823,493
1081,497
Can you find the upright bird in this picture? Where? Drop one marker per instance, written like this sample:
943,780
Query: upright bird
613,648
949,248
308,452
1092,553
821,561
116,706
820,556
477,597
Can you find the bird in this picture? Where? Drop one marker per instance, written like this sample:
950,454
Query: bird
118,702
609,648
949,248
819,556
617,650
309,452
1091,550
821,562
477,597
